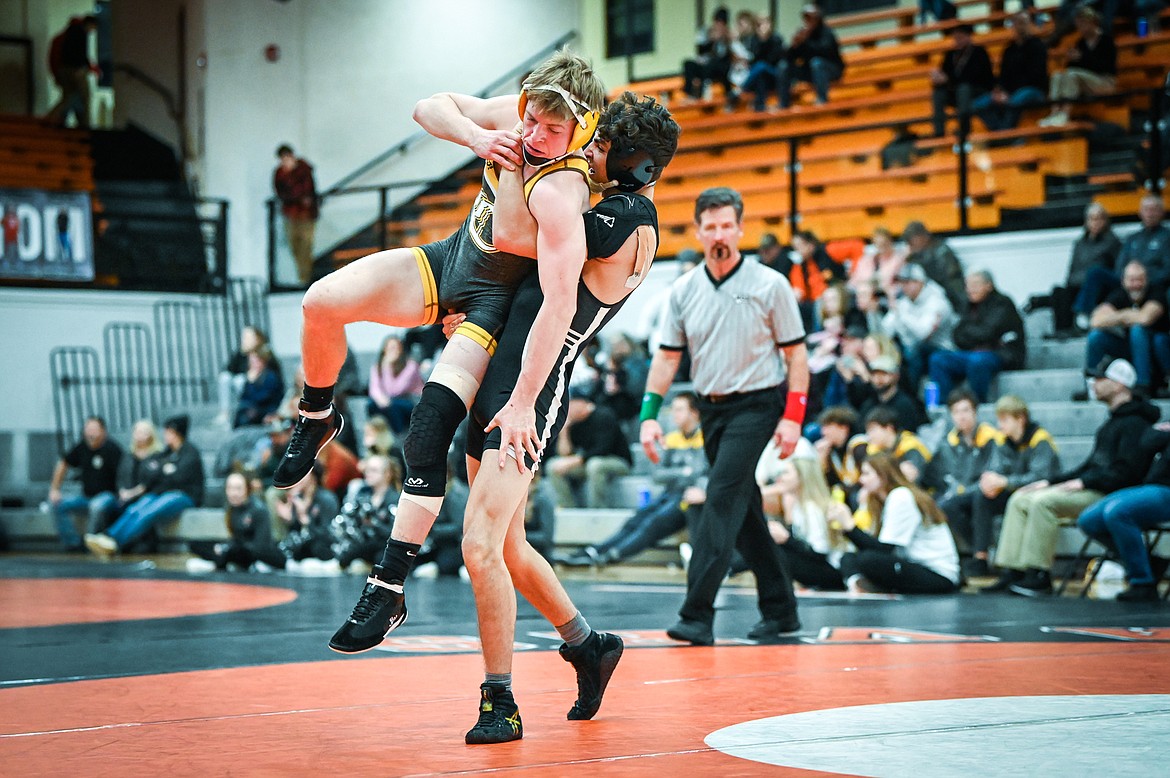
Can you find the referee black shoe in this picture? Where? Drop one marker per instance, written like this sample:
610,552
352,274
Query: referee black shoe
771,629
499,717
694,632
379,611
308,438
594,660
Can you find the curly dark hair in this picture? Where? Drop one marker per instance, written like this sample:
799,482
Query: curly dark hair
644,123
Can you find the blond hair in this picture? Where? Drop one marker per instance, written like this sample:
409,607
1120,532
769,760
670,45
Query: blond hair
570,72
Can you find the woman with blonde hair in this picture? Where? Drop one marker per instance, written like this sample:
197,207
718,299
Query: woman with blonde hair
144,443
796,502
913,551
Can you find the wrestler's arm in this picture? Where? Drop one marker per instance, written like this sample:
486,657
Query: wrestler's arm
486,126
560,247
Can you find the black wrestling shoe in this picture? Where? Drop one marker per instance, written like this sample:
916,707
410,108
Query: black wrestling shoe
378,612
499,717
308,438
694,632
594,661
770,629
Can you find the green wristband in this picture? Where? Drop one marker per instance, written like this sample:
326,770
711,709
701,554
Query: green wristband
651,404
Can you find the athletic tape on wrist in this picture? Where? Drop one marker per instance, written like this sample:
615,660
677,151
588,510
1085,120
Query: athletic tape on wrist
651,405
795,407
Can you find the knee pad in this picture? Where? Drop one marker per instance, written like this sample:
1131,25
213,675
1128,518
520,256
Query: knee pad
432,427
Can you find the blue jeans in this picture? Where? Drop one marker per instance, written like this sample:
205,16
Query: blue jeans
820,72
1006,116
148,511
949,368
1099,282
761,79
658,520
1141,346
97,509
1117,522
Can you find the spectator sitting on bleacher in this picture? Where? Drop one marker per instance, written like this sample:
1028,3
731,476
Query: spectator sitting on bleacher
1025,453
937,259
913,551
683,478
174,483
231,379
1091,68
1097,247
1118,520
1031,522
363,526
881,261
883,434
1132,324
810,270
834,317
250,528
883,391
591,452
837,423
962,456
1149,245
306,511
767,49
97,458
1022,80
108,506
743,44
395,384
989,338
964,76
712,60
814,57
849,368
262,392
796,498
921,319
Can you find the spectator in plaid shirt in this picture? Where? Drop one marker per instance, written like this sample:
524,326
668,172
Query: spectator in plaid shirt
297,192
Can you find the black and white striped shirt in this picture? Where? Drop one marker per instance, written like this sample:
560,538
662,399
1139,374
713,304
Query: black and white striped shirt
733,327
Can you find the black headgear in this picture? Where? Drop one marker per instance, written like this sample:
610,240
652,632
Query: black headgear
630,168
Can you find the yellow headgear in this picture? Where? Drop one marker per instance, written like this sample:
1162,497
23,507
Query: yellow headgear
587,119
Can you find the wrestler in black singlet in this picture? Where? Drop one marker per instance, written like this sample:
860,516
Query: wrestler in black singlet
607,227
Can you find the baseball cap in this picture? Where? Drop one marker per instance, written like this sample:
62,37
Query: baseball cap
912,271
1118,370
884,365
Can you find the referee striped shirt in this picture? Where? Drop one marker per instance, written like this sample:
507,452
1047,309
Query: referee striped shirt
733,327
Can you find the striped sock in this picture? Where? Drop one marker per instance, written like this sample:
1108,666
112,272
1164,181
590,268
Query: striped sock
575,632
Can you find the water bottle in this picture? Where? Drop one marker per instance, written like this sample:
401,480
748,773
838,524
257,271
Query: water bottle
643,497
1143,27
930,395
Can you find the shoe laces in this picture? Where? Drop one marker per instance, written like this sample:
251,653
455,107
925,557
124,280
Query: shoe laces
372,599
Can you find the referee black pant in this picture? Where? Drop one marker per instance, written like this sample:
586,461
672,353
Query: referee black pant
735,433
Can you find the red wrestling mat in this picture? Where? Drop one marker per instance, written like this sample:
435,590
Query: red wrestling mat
43,602
406,715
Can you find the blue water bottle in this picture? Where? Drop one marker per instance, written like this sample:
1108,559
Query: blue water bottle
930,395
1143,27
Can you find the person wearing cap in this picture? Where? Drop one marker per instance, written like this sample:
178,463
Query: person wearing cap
884,390
1027,539
741,323
920,318
1091,70
989,338
814,56
174,483
964,76
937,259
1132,323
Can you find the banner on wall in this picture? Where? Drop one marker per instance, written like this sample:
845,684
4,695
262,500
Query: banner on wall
46,235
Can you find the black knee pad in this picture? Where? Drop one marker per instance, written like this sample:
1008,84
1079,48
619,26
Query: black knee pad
432,428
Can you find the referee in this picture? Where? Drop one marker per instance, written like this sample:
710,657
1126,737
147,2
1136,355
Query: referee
735,318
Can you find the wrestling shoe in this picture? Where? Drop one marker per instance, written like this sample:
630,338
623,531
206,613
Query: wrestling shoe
309,436
594,661
379,611
499,717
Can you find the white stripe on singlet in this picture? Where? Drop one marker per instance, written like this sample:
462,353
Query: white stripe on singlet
573,340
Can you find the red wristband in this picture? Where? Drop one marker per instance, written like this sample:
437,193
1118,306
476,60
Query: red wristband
795,407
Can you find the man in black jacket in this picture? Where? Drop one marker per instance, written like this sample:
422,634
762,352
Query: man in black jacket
767,49
591,452
1027,540
174,482
964,76
988,338
1023,78
814,56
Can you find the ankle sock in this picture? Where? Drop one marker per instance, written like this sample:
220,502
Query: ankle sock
398,560
576,631
498,679
317,398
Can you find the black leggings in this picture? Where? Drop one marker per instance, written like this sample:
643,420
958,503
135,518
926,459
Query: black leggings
891,574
